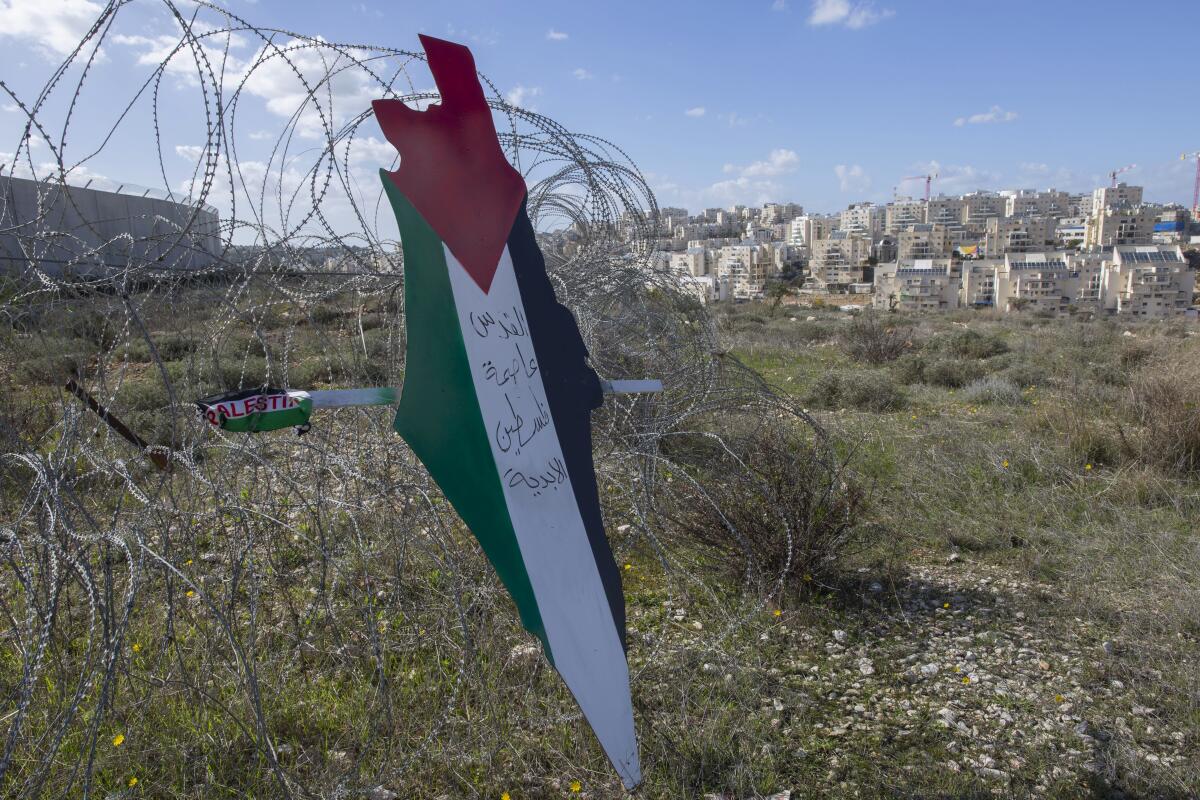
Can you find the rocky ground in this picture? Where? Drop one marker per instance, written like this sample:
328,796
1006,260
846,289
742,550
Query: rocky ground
996,689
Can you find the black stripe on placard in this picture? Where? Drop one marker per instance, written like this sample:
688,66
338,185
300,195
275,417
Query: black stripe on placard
572,390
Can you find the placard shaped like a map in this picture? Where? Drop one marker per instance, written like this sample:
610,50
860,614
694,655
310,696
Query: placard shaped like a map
498,394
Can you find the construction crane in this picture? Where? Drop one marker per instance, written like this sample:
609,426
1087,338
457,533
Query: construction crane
1113,175
927,178
1196,190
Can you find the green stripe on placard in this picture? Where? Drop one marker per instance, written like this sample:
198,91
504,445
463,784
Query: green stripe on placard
439,412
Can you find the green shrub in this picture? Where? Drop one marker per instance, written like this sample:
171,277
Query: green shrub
865,391
1166,400
791,514
909,368
993,390
869,339
953,373
969,344
1024,375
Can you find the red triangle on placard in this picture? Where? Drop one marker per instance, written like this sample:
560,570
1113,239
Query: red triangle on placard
451,166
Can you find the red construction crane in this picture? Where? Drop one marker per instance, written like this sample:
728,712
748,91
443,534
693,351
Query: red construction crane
1113,175
927,178
1195,191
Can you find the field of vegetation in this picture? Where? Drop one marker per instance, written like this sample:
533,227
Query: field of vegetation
992,589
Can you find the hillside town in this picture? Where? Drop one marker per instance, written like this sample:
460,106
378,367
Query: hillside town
1109,251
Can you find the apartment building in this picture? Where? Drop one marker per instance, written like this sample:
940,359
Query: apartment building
977,288
1120,196
1153,281
746,266
919,285
865,219
806,229
923,242
900,214
1111,226
947,211
979,206
1036,282
779,213
692,262
1018,235
1050,203
837,261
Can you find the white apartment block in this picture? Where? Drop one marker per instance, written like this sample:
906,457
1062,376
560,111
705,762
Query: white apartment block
947,211
1018,235
1111,226
779,213
1120,196
1050,203
865,219
805,230
923,242
902,213
746,266
1153,281
1145,281
692,262
920,285
979,206
837,261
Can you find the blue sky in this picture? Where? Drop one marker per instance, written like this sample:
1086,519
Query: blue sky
822,103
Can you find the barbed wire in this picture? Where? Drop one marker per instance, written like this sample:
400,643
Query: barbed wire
260,564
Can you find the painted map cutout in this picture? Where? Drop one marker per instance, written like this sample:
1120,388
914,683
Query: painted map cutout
498,394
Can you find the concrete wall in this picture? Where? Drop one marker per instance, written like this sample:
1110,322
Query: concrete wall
79,232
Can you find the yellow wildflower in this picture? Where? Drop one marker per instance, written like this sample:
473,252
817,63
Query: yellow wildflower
628,567
945,605
187,563
190,593
778,612
1058,698
966,679
132,781
137,648
1004,463
807,577
505,796
118,739
1087,467
576,787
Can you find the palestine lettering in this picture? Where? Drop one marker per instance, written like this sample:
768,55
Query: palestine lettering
256,404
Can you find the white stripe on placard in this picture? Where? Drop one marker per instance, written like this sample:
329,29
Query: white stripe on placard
541,503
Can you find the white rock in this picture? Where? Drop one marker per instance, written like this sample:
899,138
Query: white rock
866,667
840,635
381,793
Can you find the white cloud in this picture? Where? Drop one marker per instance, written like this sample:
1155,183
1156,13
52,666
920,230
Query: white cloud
556,36
1033,168
11,108
261,135
779,5
697,111
778,162
852,178
994,114
751,183
55,27
521,95
843,12
582,74
191,152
